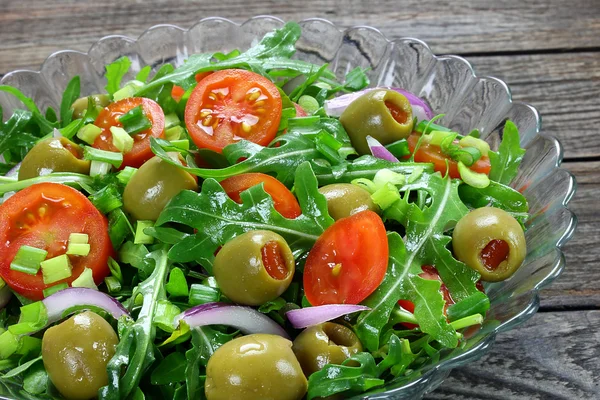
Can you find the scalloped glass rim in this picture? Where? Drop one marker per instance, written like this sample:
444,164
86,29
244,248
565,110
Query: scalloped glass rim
447,83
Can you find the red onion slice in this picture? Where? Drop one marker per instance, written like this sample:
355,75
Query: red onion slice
59,302
336,106
305,317
379,151
245,319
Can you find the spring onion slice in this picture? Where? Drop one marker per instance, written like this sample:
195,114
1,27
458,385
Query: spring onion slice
246,319
305,317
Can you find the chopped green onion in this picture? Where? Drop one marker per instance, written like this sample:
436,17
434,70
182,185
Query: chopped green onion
174,133
56,288
366,184
328,140
125,175
466,155
384,176
475,319
79,238
308,104
121,139
88,133
438,137
472,178
115,269
119,227
211,281
135,121
481,145
9,343
112,284
181,144
202,294
328,146
140,236
86,280
399,148
78,249
415,174
111,157
56,269
385,196
107,199
29,344
426,127
171,120
99,168
33,317
128,90
28,260
165,314
300,122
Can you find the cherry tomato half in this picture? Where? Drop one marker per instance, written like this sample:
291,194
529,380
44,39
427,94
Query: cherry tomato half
232,105
141,151
348,261
43,216
429,153
284,201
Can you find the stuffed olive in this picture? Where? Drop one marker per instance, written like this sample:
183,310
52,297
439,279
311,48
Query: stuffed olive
53,155
327,343
80,105
383,114
254,267
76,352
255,367
152,186
345,199
490,241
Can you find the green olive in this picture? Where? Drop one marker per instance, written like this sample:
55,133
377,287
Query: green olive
490,241
384,114
53,155
254,267
327,343
345,199
255,367
81,104
152,186
76,352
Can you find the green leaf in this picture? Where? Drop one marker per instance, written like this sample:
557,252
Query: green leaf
505,163
344,378
44,125
273,305
177,286
170,370
356,80
36,379
218,219
71,93
20,369
477,303
135,352
144,73
494,195
398,358
115,72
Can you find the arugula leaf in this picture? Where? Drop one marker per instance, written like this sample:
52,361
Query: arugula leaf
177,286
144,73
44,125
218,219
425,244
334,379
115,72
205,341
135,352
505,163
170,370
71,93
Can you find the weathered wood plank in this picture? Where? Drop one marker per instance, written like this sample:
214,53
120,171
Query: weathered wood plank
553,356
33,29
579,285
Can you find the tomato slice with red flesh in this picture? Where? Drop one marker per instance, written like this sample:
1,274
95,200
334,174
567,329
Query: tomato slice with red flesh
284,201
429,153
109,116
230,105
348,261
43,216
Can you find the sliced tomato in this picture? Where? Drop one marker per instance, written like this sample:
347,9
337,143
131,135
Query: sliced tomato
300,111
284,201
109,117
232,105
429,153
43,216
177,91
348,261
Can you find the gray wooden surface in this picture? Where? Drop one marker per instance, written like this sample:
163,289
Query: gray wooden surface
547,51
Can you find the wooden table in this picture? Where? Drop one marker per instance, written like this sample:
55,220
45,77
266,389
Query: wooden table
547,51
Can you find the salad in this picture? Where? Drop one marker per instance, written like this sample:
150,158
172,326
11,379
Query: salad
244,225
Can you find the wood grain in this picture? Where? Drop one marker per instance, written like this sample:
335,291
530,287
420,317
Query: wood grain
553,356
30,30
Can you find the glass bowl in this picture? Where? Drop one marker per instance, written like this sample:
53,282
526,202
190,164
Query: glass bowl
447,83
